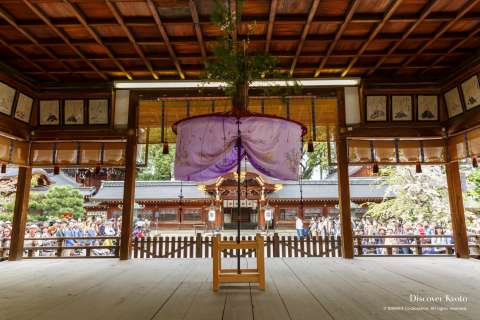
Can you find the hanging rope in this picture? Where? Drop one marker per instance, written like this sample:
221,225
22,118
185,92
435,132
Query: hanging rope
239,158
246,181
180,197
301,180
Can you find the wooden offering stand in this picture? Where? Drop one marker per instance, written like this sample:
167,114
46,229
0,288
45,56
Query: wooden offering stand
233,275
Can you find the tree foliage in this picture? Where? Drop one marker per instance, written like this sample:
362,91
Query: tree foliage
232,62
316,159
474,179
159,165
414,197
35,202
59,200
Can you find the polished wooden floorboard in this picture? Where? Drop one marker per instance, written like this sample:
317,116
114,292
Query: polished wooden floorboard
297,288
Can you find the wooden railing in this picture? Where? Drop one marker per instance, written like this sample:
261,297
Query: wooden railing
275,246
201,247
292,246
69,247
431,245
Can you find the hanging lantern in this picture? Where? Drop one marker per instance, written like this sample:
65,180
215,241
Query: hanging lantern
56,170
211,214
310,147
375,168
268,213
474,162
4,168
418,168
165,148
97,170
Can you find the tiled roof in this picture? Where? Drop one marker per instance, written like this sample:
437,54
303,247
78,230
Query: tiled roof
149,190
360,188
53,180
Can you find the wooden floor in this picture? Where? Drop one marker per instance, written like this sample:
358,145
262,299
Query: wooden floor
297,288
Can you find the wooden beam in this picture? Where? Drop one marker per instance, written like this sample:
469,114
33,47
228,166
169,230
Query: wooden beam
306,28
58,32
271,22
390,131
81,17
15,128
455,36
313,54
199,67
351,10
7,17
47,134
198,28
465,9
427,9
472,34
163,32
27,59
285,18
343,178
455,196
469,66
118,17
20,213
129,186
18,79
373,34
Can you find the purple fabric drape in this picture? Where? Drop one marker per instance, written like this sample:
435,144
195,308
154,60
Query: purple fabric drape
206,146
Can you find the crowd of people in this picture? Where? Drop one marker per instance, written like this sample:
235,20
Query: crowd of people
43,235
438,237
46,235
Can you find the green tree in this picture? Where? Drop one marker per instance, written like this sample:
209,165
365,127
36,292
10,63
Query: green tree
63,199
159,165
414,197
57,201
312,160
35,202
473,178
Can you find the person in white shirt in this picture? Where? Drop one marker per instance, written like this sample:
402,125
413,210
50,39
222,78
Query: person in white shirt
299,226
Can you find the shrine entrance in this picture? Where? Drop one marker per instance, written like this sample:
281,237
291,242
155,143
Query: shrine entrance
254,192
248,218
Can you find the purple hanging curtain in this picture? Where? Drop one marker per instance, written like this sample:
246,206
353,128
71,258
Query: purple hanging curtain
206,146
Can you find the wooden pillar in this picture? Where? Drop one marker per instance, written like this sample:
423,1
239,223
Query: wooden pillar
20,213
343,178
129,186
276,213
218,217
325,211
261,214
459,229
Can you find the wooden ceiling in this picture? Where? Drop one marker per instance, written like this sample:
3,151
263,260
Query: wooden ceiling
61,41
